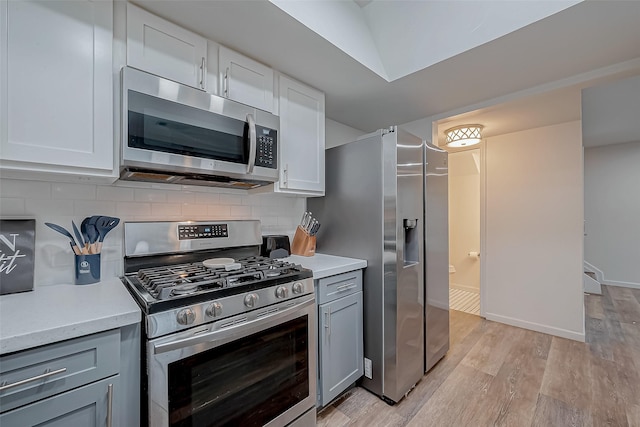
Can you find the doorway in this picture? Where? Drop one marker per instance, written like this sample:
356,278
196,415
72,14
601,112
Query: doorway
464,231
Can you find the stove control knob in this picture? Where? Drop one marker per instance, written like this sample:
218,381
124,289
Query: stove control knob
297,288
214,310
251,300
186,316
282,292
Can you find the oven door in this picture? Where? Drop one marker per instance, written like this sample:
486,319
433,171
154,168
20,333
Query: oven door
170,127
255,369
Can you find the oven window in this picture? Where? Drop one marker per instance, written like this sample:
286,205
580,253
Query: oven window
160,125
247,382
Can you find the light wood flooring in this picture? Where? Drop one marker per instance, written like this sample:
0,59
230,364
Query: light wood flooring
498,375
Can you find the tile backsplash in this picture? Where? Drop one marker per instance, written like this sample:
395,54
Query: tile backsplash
61,203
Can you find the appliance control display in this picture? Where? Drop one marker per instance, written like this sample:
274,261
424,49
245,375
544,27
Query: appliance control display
199,231
267,147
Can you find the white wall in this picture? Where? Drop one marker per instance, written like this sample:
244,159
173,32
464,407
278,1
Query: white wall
612,211
61,203
534,230
337,133
464,219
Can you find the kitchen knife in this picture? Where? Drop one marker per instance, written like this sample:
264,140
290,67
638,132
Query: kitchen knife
78,235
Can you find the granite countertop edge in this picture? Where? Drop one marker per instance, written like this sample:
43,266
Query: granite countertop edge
325,265
55,313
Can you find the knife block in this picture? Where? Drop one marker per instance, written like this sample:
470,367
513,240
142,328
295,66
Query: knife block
303,244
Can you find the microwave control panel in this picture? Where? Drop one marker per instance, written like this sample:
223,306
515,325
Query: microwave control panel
190,232
266,147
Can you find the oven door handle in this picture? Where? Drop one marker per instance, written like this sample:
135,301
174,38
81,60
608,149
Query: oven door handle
220,334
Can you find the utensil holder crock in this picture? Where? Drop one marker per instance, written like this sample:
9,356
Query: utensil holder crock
87,269
303,244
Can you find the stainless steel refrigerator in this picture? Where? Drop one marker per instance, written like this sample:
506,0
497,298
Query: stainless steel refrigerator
386,202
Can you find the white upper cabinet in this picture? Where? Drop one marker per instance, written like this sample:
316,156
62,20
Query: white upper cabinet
165,49
244,80
301,139
56,88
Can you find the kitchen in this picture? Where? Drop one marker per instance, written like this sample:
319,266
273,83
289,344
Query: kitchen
48,199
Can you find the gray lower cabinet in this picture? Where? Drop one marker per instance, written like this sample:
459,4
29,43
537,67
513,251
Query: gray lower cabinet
340,334
90,406
87,381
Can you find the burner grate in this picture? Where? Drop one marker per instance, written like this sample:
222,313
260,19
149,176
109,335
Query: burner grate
165,282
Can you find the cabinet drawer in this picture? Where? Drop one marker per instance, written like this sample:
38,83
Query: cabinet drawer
86,406
45,371
333,287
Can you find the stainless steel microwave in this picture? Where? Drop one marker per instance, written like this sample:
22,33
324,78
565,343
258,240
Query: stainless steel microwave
174,133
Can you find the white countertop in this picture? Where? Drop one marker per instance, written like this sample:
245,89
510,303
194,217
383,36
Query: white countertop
324,265
54,313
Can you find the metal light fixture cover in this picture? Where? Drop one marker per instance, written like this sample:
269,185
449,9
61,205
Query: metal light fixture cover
463,136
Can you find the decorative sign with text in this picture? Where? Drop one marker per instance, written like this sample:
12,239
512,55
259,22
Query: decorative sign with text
17,251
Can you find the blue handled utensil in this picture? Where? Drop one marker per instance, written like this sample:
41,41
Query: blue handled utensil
65,232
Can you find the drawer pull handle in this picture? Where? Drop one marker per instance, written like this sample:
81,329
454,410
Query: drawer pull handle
110,405
47,374
345,287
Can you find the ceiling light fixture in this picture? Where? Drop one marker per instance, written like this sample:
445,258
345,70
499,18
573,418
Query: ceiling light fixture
463,136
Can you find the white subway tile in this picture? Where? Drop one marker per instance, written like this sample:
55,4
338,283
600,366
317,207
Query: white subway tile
219,211
243,212
230,199
207,198
181,197
73,191
25,189
156,196
268,221
257,211
287,221
47,208
190,211
133,209
12,206
166,209
116,194
84,209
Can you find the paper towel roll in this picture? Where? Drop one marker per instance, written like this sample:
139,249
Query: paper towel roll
474,254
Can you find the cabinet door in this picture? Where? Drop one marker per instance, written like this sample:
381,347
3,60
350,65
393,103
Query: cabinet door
301,139
165,49
86,406
341,346
245,80
56,91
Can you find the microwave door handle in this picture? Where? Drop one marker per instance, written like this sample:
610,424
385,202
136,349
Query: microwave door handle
252,143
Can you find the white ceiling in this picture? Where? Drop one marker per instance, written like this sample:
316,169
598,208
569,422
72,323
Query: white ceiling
585,37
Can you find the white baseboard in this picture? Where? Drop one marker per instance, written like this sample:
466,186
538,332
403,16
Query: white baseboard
591,285
592,268
558,332
464,288
622,284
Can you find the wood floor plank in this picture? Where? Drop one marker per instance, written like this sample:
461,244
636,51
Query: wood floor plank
627,367
490,351
597,337
567,375
593,306
332,417
628,309
631,334
607,394
455,401
633,415
553,412
511,398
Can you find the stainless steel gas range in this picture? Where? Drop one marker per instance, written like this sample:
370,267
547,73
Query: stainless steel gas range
229,335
